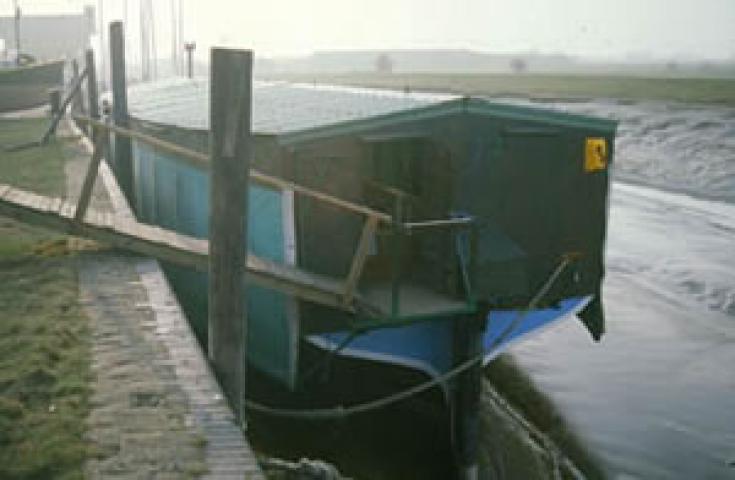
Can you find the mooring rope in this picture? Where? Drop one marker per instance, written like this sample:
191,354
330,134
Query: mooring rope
340,412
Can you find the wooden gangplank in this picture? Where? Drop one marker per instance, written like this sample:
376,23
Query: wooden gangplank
59,215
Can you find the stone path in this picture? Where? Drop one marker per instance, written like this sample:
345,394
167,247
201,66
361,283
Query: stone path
156,411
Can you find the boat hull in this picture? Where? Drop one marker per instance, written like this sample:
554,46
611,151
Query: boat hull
27,87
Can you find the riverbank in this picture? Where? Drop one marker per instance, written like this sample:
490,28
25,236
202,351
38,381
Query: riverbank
45,349
719,91
98,376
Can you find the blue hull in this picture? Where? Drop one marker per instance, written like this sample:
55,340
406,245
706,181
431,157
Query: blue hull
427,346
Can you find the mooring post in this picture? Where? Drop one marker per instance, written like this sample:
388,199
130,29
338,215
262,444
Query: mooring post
123,163
54,99
468,331
77,102
230,149
92,96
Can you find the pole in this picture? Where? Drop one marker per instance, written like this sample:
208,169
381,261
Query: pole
54,99
123,165
190,47
101,28
468,331
17,32
92,96
77,103
230,150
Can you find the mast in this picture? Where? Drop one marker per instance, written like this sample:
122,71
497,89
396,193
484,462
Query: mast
16,24
180,34
101,30
174,40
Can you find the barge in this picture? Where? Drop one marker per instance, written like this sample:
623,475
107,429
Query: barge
493,220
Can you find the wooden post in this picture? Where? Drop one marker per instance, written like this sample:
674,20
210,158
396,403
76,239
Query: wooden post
85,196
468,332
78,102
16,23
61,108
123,163
92,97
230,149
190,47
54,99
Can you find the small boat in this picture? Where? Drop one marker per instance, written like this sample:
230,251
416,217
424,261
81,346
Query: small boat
26,85
495,211
24,81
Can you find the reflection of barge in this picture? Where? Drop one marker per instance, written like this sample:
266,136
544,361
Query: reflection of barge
490,208
27,86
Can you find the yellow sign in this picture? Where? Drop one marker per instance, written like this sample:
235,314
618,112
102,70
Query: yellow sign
595,154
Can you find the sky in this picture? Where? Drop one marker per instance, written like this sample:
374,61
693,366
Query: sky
601,29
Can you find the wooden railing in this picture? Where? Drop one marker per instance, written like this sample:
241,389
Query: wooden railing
373,218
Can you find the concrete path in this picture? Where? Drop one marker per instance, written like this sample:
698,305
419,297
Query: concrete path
156,411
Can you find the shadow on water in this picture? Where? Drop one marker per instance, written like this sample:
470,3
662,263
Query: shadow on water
404,441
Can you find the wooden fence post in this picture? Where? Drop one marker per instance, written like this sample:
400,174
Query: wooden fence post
230,149
54,99
123,163
92,96
78,102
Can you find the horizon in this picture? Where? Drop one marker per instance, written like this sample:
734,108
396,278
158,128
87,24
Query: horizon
625,31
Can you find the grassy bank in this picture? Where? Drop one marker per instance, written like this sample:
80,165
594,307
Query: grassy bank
44,349
548,87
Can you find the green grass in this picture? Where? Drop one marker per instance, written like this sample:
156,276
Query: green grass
44,338
549,87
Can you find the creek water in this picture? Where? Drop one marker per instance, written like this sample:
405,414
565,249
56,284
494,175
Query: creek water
656,398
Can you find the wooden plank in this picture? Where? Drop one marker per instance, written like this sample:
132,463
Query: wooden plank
67,210
94,165
198,158
255,175
4,189
358,261
54,207
167,246
47,204
326,198
441,223
57,116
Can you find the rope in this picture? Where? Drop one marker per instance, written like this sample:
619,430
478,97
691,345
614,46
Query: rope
340,412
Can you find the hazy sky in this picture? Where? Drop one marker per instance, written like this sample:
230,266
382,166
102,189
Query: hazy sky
615,29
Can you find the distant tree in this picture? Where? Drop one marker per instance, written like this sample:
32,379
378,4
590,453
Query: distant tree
383,63
518,65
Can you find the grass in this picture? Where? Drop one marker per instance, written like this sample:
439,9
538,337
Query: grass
44,348
543,86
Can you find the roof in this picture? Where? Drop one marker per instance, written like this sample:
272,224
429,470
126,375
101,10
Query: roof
301,112
278,107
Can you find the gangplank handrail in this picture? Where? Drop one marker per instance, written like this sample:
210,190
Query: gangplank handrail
202,159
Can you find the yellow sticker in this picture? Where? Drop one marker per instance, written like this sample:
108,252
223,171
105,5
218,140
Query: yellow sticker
595,154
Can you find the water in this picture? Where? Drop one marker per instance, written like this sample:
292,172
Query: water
656,398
